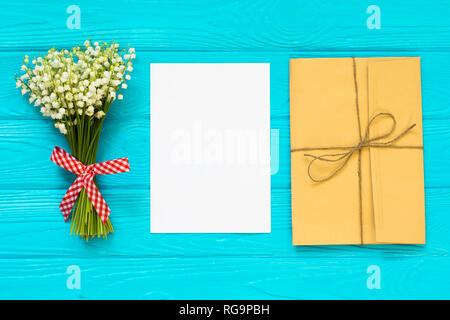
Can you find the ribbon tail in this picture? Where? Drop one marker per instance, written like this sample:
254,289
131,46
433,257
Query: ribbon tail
70,197
97,200
111,166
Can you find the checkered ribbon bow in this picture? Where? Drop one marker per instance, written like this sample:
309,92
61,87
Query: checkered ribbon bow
85,179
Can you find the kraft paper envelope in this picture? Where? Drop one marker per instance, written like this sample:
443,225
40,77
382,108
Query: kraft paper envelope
385,204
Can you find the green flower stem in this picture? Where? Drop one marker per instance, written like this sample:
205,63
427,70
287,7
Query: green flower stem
83,140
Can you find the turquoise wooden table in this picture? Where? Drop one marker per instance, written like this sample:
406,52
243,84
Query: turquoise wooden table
38,257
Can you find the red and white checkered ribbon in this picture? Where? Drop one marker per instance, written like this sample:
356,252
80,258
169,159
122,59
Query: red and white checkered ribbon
85,179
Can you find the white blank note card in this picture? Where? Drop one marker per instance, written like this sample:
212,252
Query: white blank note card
209,147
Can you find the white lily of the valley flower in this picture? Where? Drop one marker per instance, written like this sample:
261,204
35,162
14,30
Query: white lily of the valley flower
100,114
90,111
76,83
62,128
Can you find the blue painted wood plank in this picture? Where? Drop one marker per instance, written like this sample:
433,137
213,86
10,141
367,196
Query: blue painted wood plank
136,105
200,25
27,144
35,247
225,278
32,227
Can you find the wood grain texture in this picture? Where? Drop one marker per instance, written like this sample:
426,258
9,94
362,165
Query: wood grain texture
35,245
435,69
27,144
36,212
235,25
225,278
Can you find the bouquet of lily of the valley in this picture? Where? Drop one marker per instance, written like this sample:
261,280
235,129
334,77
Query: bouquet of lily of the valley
76,89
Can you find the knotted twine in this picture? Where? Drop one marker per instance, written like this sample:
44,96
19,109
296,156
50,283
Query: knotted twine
364,142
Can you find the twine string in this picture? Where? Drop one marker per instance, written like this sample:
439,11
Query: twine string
364,142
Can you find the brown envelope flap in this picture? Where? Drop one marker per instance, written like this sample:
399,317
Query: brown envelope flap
397,173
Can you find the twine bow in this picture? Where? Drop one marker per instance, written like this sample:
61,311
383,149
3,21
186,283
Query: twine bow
364,142
85,179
